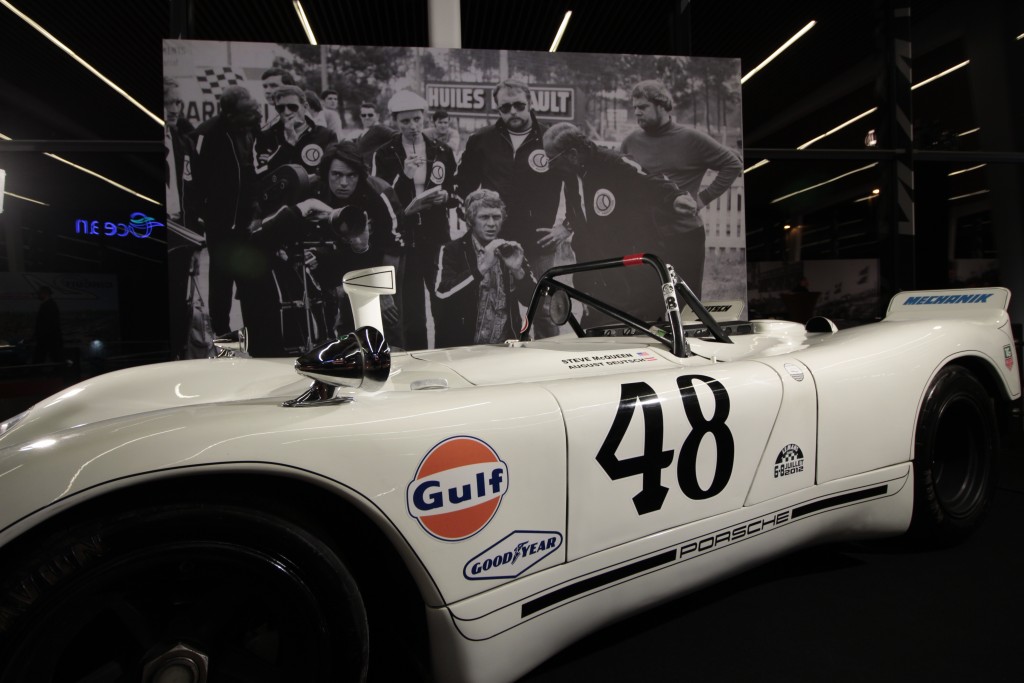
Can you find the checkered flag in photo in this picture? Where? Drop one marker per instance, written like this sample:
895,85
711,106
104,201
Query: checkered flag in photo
214,80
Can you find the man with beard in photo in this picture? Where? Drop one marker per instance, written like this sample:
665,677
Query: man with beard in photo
508,157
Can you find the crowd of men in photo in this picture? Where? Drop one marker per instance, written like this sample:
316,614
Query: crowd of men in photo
287,208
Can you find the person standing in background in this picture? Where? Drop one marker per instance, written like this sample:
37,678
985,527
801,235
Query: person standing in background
682,155
444,131
374,133
49,338
330,99
271,80
328,118
177,151
618,208
508,157
222,199
423,174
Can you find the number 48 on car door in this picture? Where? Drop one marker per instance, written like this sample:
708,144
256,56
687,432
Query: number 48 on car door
671,448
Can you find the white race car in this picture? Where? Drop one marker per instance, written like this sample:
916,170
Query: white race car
477,508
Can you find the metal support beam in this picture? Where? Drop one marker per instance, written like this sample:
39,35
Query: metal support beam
182,25
679,27
995,70
896,231
444,23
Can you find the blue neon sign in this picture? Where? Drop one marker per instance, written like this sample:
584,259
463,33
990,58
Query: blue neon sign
139,225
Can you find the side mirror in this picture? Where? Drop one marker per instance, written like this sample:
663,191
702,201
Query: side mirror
358,360
234,344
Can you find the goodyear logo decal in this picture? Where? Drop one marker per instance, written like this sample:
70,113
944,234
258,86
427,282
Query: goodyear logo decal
512,555
947,299
457,489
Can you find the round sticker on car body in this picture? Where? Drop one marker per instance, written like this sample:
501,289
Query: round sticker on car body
457,488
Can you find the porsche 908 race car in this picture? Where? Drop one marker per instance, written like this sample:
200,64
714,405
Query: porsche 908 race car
230,520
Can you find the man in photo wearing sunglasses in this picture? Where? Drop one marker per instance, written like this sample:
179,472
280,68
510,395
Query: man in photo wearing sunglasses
270,81
508,157
294,138
374,133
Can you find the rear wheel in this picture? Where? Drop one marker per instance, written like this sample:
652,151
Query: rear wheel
954,454
182,593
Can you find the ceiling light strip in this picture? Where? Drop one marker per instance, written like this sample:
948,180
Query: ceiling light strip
763,162
969,194
27,199
24,17
826,182
856,118
965,170
92,173
778,52
941,74
297,4
561,32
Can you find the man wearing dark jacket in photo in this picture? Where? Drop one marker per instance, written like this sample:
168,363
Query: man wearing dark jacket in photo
294,138
508,157
483,278
222,195
423,174
621,209
359,217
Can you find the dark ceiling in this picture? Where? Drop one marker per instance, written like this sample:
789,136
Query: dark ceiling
826,77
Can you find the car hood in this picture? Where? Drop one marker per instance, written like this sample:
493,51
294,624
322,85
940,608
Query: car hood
186,384
157,387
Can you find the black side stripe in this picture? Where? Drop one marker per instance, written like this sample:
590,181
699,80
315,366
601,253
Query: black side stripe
669,556
835,501
593,582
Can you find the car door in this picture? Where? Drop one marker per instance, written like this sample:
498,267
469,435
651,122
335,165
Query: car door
651,451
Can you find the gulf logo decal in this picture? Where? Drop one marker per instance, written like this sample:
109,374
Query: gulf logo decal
457,488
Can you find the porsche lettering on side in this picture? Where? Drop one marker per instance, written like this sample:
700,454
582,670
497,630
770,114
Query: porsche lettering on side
471,511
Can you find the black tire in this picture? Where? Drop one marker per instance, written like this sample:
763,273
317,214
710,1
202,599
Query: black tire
262,598
955,451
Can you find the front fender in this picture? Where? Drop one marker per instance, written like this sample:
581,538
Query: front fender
371,448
